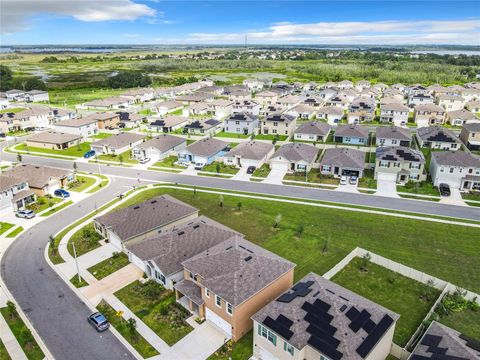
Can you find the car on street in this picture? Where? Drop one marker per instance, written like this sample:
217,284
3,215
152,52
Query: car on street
353,180
144,160
251,169
99,321
25,214
61,193
343,180
89,154
444,189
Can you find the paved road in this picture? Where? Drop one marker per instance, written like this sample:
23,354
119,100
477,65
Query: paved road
58,315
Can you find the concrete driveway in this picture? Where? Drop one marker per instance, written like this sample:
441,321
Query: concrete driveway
242,175
387,185
275,177
455,198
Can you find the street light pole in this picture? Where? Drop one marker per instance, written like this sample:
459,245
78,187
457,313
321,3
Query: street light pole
76,262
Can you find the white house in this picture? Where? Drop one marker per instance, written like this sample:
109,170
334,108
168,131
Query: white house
251,153
394,113
85,127
458,169
118,143
159,147
36,96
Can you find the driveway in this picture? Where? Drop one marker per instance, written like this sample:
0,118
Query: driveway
387,185
455,198
275,177
242,175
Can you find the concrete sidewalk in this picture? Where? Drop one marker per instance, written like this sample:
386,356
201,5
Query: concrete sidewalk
11,344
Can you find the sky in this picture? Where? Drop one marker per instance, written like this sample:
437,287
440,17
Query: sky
37,22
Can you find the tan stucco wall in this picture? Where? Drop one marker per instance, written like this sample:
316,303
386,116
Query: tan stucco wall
102,124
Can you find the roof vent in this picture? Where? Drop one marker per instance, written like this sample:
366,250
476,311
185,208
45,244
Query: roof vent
196,226
136,207
181,233
248,258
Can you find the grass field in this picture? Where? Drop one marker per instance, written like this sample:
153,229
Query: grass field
86,239
393,291
75,151
12,110
313,176
108,266
101,135
467,322
271,137
15,232
222,168
58,208
169,162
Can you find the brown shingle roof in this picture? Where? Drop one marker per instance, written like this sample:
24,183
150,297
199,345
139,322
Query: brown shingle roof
297,151
53,137
162,142
37,176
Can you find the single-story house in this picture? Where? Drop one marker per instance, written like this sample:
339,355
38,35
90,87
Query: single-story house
352,134
167,124
159,147
139,95
342,161
332,114
203,127
302,111
393,136
459,169
168,106
146,220
118,143
84,127
461,117
315,131
470,136
130,119
294,157
251,153
53,140
319,320
195,97
400,163
15,95
241,123
109,104
36,96
203,151
436,137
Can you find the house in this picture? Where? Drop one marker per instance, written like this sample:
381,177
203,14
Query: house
42,180
313,101
220,108
168,106
146,220
28,119
436,137
206,289
239,95
105,120
293,157
339,101
473,106
288,100
450,102
332,114
349,94
194,98
395,113
470,94
419,99
254,84
361,110
4,103
139,95
318,319
393,136
159,147
199,108
130,119
203,127
278,124
352,134
241,123
345,84
108,104
251,153
429,114
440,341
14,194
118,143
84,127
266,97
327,94
168,123
302,111
246,106
15,95
399,163
461,117
270,110
316,131
36,96
62,114
470,136
343,161
161,256
459,169
53,140
362,85
203,151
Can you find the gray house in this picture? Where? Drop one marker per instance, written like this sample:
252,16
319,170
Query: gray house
294,157
352,134
251,153
159,147
393,136
241,123
436,137
343,161
312,131
459,169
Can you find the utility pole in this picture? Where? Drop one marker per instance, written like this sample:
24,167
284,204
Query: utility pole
76,262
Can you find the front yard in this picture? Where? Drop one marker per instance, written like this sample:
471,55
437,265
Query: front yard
240,350
109,266
420,188
52,211
271,137
262,171
220,168
81,183
314,176
367,180
43,203
169,162
224,134
122,158
86,239
474,195
75,151
410,299
157,308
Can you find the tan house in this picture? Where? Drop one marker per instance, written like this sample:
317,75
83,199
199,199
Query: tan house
230,282
278,124
429,114
450,102
54,140
400,164
470,136
106,119
266,97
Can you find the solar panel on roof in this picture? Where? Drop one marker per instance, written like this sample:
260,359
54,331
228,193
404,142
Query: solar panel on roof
325,348
368,326
278,328
431,340
321,333
318,312
372,339
352,313
471,343
282,319
321,323
361,319
322,305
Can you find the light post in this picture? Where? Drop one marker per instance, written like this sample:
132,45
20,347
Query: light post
76,262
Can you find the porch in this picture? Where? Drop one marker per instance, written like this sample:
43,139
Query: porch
21,199
189,295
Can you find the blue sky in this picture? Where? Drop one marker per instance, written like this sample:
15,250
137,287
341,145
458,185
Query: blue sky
227,22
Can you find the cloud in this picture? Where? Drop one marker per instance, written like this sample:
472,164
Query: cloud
375,32
15,14
131,36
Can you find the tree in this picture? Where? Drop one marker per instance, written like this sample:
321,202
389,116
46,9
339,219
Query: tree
6,78
299,230
52,243
34,84
11,307
74,166
277,220
132,326
365,261
217,167
128,79
19,157
120,158
220,200
239,206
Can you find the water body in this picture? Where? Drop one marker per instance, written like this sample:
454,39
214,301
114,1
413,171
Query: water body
448,52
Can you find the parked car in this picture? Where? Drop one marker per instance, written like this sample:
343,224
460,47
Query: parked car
353,180
251,169
444,189
61,193
343,180
99,321
2,135
25,214
144,160
89,154
199,165
121,125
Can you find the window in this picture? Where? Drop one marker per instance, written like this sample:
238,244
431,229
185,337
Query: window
451,170
218,301
288,348
207,292
272,338
326,168
323,358
267,334
229,309
384,164
191,275
394,141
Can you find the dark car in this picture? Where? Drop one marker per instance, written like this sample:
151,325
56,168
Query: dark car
121,125
98,321
61,193
2,135
89,154
251,169
444,189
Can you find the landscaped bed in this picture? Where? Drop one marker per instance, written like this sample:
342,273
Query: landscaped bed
86,239
314,176
367,180
240,350
109,266
76,150
474,195
122,158
157,308
81,183
43,203
78,283
421,188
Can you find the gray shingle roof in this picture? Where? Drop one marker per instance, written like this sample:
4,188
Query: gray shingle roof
53,137
294,152
162,142
462,114
429,108
170,249
352,130
253,150
399,153
456,158
9,181
207,147
37,176
393,132
472,127
237,269
339,302
149,215
77,122
437,133
314,127
119,140
344,157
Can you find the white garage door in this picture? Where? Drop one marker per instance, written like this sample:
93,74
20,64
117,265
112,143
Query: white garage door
136,261
219,322
265,355
387,177
279,165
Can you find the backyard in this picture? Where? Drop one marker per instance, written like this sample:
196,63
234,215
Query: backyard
157,307
75,151
109,266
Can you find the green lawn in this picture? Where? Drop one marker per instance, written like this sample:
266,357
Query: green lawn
101,136
76,151
56,209
109,266
82,183
3,352
147,112
220,168
86,239
5,227
133,337
157,308
240,350
435,248
12,110
271,137
421,188
370,157
367,180
467,322
15,232
23,334
474,195
78,284
126,159
43,203
169,162
314,176
224,134
262,171
409,298
104,182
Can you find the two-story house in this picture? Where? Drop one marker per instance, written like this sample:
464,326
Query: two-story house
450,102
241,123
84,127
400,163
394,113
428,115
14,193
278,124
360,110
470,136
246,106
460,117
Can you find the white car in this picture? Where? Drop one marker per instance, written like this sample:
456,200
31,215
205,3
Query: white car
343,180
199,165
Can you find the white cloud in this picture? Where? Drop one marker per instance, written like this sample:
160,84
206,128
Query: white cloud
131,36
15,14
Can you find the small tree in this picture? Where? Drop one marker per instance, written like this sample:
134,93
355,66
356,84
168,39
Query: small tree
11,307
51,241
120,158
239,206
194,190
220,201
325,246
277,220
19,157
217,168
132,327
366,260
299,230
75,166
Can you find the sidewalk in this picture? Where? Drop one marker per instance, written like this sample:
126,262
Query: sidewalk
11,344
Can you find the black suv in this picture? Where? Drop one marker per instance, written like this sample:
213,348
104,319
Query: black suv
444,189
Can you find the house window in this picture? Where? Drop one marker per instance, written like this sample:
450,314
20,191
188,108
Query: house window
207,292
229,309
218,301
451,170
384,164
272,338
267,334
288,348
191,275
323,357
394,141
326,168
